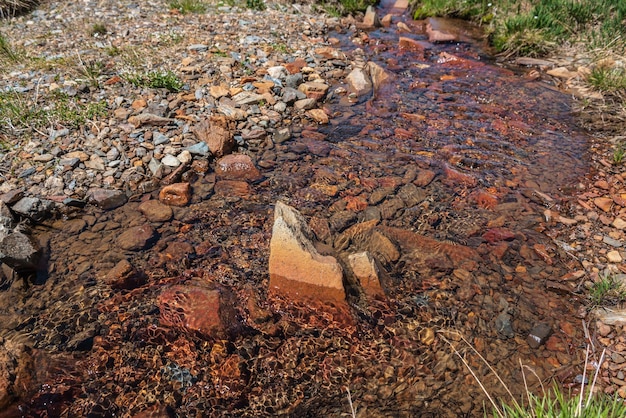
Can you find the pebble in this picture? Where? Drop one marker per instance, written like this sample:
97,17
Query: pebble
614,257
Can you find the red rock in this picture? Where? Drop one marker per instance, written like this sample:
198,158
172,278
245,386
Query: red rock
296,268
233,188
192,308
155,211
413,44
136,238
460,178
555,343
498,234
217,133
237,167
177,194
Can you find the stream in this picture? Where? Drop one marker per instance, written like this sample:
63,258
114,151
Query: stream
446,173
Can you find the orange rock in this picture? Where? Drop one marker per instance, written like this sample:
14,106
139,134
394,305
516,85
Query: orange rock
123,276
295,66
296,268
177,194
413,45
355,203
603,203
314,90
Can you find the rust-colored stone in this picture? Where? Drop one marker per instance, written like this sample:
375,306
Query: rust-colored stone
217,133
192,308
237,167
177,194
123,276
424,177
233,188
498,234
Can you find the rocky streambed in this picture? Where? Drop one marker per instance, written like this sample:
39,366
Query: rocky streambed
329,210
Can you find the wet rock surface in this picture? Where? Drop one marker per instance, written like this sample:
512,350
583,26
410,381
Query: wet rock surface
444,199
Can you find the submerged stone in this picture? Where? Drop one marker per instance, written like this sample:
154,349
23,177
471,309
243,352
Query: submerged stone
296,268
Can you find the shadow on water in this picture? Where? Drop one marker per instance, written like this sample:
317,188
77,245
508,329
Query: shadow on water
444,174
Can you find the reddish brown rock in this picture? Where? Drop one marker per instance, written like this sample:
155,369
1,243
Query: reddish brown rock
410,44
177,194
424,177
459,178
367,272
237,167
177,250
137,238
296,268
233,188
498,234
217,133
123,276
16,371
155,211
192,308
295,66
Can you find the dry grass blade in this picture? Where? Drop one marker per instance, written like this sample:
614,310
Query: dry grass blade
10,8
352,410
493,402
595,377
486,363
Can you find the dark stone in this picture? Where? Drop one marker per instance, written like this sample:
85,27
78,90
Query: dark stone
107,199
539,334
33,208
503,325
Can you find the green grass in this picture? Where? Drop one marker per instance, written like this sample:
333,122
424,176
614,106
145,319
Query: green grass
536,28
156,80
345,7
98,29
618,154
6,50
19,113
608,80
607,291
561,405
188,6
255,4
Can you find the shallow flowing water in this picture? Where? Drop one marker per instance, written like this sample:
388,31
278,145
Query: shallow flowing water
455,158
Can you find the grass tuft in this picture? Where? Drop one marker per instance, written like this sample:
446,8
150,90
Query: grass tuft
6,51
9,8
19,114
156,80
188,6
607,291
